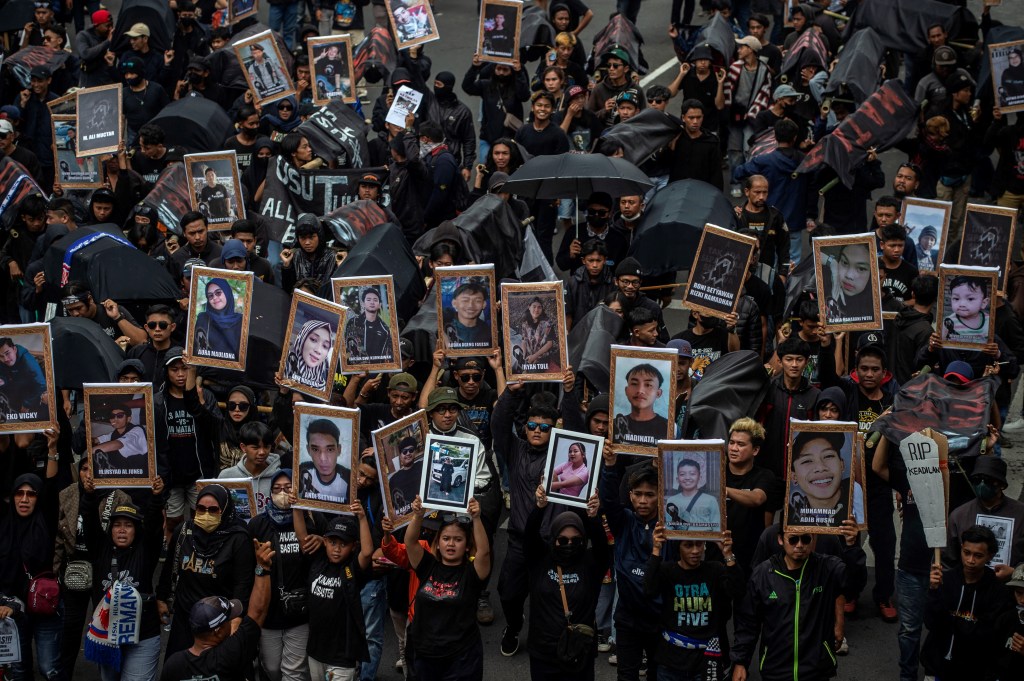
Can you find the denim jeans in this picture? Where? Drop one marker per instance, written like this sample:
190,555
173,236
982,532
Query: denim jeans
375,608
46,632
911,594
675,675
796,243
139,662
630,646
283,19
283,653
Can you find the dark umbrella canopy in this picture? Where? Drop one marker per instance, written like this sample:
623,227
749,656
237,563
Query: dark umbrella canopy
156,14
590,345
83,353
732,387
492,234
568,176
857,69
670,229
15,14
196,123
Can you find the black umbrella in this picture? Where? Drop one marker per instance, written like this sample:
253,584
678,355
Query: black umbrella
642,135
590,345
83,353
799,282
196,123
15,14
111,268
857,70
670,229
903,24
156,14
383,250
733,386
718,34
568,176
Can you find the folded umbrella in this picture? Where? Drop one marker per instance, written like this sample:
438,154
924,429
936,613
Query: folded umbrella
156,14
590,345
568,176
421,330
536,34
196,123
642,135
83,353
733,386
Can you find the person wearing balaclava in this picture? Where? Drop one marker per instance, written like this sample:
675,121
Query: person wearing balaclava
412,79
502,89
563,574
312,259
210,555
456,122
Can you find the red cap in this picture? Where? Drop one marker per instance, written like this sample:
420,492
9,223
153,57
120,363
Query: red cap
100,16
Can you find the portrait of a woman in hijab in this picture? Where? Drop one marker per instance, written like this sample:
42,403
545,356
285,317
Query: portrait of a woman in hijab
309,355
218,331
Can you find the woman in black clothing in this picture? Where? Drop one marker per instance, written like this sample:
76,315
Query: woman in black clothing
445,633
581,572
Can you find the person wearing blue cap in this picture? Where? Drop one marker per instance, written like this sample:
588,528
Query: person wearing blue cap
234,256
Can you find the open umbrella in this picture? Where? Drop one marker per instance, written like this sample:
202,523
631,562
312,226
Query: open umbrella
590,345
903,24
670,229
196,123
156,14
82,353
15,14
733,386
568,176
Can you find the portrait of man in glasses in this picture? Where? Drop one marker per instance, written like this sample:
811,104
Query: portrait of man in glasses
405,482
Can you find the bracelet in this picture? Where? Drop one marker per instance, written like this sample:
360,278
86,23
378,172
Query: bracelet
730,560
365,397
53,457
262,571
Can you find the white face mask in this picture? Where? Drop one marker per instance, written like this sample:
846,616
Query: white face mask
280,500
634,218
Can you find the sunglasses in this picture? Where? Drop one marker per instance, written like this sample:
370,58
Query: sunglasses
656,100
286,108
533,425
26,494
615,65
471,378
238,406
118,415
568,541
447,409
211,510
459,518
795,539
3,135
408,450
153,326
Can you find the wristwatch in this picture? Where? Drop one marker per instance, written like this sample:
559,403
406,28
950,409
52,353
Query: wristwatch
730,560
261,571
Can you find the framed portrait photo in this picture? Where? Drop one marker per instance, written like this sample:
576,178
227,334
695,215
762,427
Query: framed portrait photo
498,37
371,324
399,448
691,489
214,187
848,284
927,225
73,172
325,456
243,495
99,114
572,467
331,66
242,9
1006,61
466,321
412,21
27,399
821,476
860,487
966,306
989,232
264,68
448,474
311,351
218,318
642,403
119,433
533,324
719,271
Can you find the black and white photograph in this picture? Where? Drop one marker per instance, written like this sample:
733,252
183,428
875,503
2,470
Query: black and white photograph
119,433
642,400
1002,528
927,225
399,447
572,467
447,475
719,271
848,285
371,323
264,68
412,21
988,233
214,187
466,320
966,306
533,322
326,454
99,120
1007,73
27,399
330,60
498,38
73,172
311,349
691,496
821,477
218,318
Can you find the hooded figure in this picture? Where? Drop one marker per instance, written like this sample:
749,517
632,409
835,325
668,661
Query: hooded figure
230,430
279,123
309,355
219,327
411,78
317,265
26,541
256,173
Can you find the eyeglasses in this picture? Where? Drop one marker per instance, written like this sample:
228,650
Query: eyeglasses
615,65
629,283
153,326
795,539
280,488
238,406
471,378
533,425
447,409
568,541
407,450
26,494
211,510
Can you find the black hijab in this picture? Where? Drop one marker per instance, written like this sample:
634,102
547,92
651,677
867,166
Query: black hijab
208,544
24,542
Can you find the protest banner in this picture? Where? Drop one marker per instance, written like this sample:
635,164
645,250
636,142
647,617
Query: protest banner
337,134
925,455
15,185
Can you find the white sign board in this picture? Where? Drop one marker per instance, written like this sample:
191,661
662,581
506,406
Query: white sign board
921,455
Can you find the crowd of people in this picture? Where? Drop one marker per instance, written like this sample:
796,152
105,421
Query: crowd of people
171,581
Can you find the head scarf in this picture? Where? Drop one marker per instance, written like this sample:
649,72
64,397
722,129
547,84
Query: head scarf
282,125
208,544
296,368
227,316
24,542
229,429
280,517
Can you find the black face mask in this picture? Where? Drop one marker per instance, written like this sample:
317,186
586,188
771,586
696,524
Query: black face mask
248,133
597,221
131,81
567,554
195,78
709,322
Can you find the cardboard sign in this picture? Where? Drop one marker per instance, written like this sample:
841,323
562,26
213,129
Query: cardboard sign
925,455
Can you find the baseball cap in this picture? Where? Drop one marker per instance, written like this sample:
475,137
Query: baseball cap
233,249
127,510
138,30
102,195
6,127
628,96
958,81
991,467
785,91
441,396
133,66
468,363
406,349
135,365
959,371
211,612
628,266
343,528
681,346
404,382
40,72
1017,578
100,16
577,91
616,52
173,355
751,42
10,112
944,56
871,338
371,179
186,269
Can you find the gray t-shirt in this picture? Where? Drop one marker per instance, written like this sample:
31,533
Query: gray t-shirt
745,88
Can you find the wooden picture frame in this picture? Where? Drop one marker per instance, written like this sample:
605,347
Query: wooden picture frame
921,217
463,454
311,315
558,468
988,236
63,105
29,348
209,338
221,204
975,290
719,271
853,259
699,515
272,82
325,91
236,487
1008,93
242,10
420,26
109,466
342,426
492,42
861,487
524,337
350,293
460,339
828,444
652,392
79,170
399,486
100,130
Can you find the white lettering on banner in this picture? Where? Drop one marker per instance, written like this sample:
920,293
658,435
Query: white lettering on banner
924,473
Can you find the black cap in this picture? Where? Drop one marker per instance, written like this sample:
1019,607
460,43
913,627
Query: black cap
343,528
628,266
871,339
406,348
102,195
40,72
127,510
174,354
211,612
958,81
991,467
469,363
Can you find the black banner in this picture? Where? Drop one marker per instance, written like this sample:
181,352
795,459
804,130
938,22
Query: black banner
169,198
810,42
643,134
23,61
885,118
15,185
903,24
858,66
338,134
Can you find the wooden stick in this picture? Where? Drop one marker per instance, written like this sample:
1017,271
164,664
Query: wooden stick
938,557
661,286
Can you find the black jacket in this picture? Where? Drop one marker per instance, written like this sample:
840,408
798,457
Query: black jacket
497,99
781,405
410,185
912,330
697,159
457,123
583,295
613,239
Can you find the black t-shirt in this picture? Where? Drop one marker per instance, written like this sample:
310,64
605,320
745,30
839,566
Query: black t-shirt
141,107
897,280
745,522
445,623
583,131
706,348
216,200
336,634
705,92
478,411
243,152
405,485
642,433
373,417
550,140
150,169
225,662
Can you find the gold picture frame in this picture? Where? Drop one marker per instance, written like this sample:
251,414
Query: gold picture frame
826,520
713,287
76,165
398,496
344,288
36,342
451,331
292,366
345,49
521,333
956,333
420,28
624,360
914,211
490,11
683,516
104,131
280,83
218,162
305,475
843,310
200,338
233,486
988,245
101,399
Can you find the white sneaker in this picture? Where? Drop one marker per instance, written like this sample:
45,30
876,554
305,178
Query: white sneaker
1013,426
